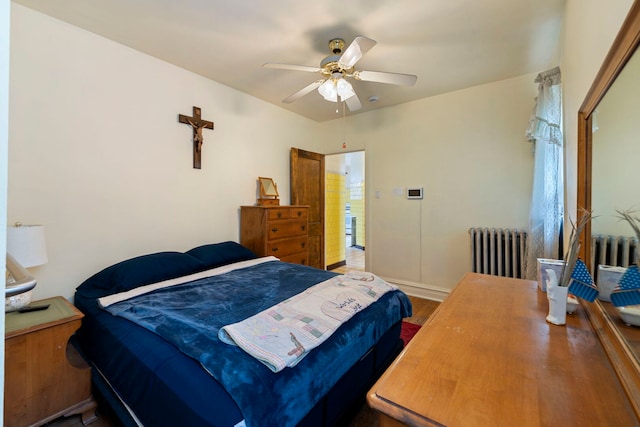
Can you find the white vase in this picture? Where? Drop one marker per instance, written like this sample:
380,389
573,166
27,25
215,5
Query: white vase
557,296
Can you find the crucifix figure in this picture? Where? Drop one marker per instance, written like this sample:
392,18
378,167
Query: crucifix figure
197,124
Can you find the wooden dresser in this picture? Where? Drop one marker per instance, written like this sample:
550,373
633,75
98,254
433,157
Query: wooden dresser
281,231
487,357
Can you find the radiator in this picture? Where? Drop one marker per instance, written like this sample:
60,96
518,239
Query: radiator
497,251
617,251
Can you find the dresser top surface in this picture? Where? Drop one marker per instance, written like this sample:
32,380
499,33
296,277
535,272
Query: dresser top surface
488,357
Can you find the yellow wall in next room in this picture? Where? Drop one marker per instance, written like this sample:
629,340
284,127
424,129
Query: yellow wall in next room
335,203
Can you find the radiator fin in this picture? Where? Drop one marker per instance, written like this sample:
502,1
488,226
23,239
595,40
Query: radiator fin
616,251
498,251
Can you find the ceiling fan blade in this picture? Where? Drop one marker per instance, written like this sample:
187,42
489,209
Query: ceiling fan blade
302,92
292,67
389,78
358,47
353,103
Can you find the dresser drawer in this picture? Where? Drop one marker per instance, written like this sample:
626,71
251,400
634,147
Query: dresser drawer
301,258
286,213
284,229
280,231
286,247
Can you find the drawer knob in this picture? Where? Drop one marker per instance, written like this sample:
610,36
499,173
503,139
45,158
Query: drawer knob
303,244
274,229
279,214
274,250
299,213
304,227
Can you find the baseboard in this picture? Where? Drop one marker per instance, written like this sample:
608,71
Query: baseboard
336,265
420,290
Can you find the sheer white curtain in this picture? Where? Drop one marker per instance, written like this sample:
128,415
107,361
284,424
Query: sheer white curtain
547,206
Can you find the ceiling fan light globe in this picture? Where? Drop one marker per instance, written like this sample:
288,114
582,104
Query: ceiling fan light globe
329,91
344,88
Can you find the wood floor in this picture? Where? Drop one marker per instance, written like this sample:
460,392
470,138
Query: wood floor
75,421
354,259
422,309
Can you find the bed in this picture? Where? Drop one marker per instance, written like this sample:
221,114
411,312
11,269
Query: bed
153,367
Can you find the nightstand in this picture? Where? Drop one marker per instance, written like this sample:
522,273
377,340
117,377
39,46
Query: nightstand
45,376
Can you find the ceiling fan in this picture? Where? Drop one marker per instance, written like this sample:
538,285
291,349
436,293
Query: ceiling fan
339,66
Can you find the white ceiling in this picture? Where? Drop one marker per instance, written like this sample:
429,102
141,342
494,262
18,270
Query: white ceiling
448,44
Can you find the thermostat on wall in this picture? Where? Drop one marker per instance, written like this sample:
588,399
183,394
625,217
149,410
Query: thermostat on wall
414,193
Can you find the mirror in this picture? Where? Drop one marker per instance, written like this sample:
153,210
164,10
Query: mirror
268,192
597,188
268,187
616,153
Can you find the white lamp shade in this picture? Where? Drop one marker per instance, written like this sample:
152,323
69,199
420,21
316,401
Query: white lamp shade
328,91
331,88
345,90
27,245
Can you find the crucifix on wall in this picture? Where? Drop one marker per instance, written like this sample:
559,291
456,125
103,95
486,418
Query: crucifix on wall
197,124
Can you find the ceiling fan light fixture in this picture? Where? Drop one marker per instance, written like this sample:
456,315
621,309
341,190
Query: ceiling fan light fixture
345,90
339,66
329,91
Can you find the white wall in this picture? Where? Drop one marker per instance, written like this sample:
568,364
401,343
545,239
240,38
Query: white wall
97,154
468,150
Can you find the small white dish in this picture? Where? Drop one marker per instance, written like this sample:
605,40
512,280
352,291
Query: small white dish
572,304
630,314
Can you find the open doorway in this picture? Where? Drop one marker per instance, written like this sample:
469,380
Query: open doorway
344,211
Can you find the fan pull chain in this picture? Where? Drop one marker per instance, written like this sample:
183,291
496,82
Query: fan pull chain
344,126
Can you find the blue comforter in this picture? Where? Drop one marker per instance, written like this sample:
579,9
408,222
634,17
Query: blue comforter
190,316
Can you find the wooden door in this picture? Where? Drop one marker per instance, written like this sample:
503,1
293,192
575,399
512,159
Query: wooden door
307,188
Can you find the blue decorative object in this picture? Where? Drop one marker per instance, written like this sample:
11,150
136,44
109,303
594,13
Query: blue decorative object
581,284
628,290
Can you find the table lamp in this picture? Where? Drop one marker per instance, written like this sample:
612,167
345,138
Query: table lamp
25,248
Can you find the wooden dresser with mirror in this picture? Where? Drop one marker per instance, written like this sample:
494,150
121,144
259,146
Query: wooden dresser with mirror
604,122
